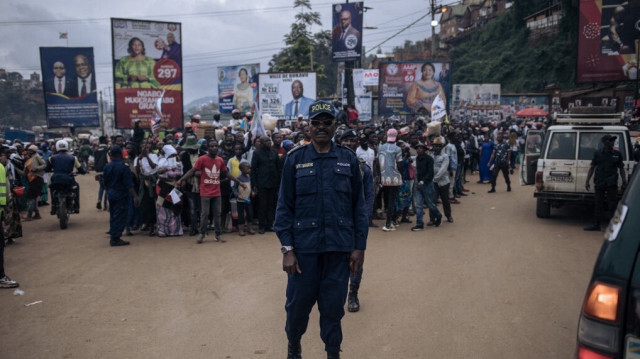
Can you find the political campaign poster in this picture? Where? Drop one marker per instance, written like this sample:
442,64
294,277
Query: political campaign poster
147,63
409,88
589,101
608,36
238,87
510,104
476,102
362,95
286,95
346,34
69,84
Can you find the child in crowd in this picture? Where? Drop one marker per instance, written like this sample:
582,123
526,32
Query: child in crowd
243,195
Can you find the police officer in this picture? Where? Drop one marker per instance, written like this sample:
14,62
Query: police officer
322,223
350,140
606,164
118,181
62,165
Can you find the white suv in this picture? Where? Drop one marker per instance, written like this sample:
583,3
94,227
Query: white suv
558,162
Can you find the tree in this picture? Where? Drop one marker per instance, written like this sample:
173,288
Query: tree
305,51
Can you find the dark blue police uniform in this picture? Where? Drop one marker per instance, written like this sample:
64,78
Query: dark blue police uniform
322,213
607,164
62,165
118,179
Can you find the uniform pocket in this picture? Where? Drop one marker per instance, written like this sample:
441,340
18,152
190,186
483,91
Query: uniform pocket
306,181
342,179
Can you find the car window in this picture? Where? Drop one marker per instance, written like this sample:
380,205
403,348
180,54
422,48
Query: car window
562,146
592,141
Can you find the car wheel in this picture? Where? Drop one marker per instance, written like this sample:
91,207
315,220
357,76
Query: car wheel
543,208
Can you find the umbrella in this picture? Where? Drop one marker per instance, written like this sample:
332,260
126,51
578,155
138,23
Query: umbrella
531,112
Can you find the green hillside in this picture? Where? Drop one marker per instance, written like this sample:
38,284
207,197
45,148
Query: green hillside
503,53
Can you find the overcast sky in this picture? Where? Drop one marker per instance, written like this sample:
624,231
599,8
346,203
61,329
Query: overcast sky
215,32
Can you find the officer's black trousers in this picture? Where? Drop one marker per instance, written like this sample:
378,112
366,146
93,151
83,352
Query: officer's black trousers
324,279
611,195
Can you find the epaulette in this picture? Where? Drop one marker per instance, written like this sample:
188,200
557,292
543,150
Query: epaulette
296,149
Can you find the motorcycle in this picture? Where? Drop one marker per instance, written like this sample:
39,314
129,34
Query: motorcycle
65,196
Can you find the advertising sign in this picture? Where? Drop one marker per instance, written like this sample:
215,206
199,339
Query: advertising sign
476,101
346,34
238,87
510,104
147,60
409,88
362,96
69,84
607,40
285,95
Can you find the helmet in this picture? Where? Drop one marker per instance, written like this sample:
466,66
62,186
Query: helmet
62,145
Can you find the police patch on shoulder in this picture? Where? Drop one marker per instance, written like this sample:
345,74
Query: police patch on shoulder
304,165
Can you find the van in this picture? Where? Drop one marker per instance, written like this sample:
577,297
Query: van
558,161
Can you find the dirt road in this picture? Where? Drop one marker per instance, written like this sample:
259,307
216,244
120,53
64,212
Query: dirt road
497,283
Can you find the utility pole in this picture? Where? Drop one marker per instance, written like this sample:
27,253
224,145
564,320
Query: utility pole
434,23
101,114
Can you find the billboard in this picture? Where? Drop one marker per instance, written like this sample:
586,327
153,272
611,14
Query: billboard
409,88
476,101
238,87
147,63
69,84
510,104
285,95
346,33
362,96
607,40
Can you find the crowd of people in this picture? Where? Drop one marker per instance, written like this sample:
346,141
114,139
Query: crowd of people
229,182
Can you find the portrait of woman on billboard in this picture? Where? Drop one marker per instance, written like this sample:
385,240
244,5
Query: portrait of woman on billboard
243,96
136,69
424,90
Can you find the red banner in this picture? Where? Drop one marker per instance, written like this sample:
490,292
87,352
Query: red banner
134,104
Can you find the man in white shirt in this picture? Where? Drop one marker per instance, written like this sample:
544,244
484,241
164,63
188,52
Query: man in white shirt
59,83
85,82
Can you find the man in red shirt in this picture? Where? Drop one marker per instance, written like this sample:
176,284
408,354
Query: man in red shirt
211,167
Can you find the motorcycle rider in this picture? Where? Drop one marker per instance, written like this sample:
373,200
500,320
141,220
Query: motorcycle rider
62,165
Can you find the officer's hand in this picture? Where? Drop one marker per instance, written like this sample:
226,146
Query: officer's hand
419,185
356,260
136,201
290,263
511,171
587,186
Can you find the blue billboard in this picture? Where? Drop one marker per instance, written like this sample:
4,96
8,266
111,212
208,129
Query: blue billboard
69,84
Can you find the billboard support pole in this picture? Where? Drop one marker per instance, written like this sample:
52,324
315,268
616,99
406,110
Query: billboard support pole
637,104
101,114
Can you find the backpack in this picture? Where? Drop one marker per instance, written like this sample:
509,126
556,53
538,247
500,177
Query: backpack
100,159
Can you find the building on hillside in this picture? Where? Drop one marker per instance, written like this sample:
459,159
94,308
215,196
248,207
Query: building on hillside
452,21
545,21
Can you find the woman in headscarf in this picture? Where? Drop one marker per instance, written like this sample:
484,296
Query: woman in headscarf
168,212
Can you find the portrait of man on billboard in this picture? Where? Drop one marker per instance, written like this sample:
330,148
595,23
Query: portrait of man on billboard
59,83
85,82
346,36
300,104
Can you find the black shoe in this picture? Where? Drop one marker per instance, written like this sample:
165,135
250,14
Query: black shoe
405,220
417,228
593,227
439,221
118,242
509,188
353,302
294,351
463,194
193,232
450,219
373,225
493,190
431,223
261,230
333,355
